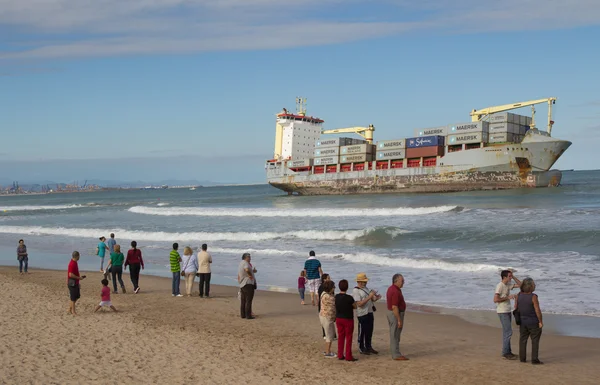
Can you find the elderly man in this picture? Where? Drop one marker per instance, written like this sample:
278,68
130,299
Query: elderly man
246,281
395,315
365,298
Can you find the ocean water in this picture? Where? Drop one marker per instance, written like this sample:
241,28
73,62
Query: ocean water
449,247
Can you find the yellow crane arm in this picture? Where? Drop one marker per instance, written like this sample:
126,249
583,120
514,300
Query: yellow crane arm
365,132
481,114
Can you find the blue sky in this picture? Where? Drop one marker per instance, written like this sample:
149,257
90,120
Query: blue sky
188,89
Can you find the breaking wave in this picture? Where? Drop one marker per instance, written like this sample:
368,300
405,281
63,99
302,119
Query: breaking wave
274,212
38,208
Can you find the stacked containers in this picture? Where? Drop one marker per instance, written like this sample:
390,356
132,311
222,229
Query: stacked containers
508,127
440,131
424,147
356,153
327,151
390,153
467,133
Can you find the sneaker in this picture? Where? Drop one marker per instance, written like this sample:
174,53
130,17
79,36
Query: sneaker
510,356
115,292
330,355
123,289
373,351
179,295
172,295
537,362
137,290
365,352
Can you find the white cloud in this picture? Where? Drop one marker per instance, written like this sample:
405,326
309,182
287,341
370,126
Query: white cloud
85,28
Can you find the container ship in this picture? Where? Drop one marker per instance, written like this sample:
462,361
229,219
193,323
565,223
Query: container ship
496,150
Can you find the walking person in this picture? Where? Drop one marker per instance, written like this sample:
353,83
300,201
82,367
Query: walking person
116,268
135,261
73,279
502,299
175,262
395,315
302,287
22,257
105,297
528,304
246,281
365,307
111,243
327,316
313,271
101,252
190,268
344,320
204,261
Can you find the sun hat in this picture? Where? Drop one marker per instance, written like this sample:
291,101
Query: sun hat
361,277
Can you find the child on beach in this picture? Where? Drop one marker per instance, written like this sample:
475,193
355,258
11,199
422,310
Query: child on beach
302,285
105,295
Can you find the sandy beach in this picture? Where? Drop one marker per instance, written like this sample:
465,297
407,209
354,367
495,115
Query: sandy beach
156,338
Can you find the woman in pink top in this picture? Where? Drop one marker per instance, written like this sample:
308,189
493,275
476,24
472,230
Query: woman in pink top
302,285
105,295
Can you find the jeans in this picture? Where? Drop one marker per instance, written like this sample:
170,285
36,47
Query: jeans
204,284
189,282
301,291
24,262
176,282
247,295
365,332
117,273
395,333
134,274
345,329
102,263
535,333
505,320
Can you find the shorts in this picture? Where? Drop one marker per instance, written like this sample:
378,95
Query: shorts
74,292
105,303
313,285
329,327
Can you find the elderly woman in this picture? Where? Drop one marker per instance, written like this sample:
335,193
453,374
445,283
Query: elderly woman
531,321
327,315
189,264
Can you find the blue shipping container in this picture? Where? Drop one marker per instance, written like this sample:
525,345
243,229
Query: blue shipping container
425,141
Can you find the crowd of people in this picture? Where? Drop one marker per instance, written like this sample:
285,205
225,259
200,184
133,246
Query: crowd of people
335,311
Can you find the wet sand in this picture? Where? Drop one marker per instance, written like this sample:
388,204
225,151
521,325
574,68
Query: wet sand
156,338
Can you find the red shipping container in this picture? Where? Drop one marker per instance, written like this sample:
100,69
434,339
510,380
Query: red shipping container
346,167
429,162
319,169
359,166
423,152
397,163
332,169
370,165
382,165
414,162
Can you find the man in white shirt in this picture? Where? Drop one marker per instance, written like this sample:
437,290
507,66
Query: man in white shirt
204,261
502,299
364,298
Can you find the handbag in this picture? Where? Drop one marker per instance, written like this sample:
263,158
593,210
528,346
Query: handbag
374,308
186,265
516,312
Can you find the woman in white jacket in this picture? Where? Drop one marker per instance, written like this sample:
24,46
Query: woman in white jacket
189,264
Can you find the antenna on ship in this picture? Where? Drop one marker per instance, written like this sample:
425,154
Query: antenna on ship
301,106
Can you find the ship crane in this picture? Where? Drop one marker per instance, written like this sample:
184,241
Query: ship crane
365,132
482,114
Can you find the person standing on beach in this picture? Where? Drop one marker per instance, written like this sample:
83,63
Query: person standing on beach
190,268
175,261
116,267
344,320
135,262
101,252
73,279
22,257
365,298
111,243
502,299
313,270
528,305
327,315
246,282
396,309
204,261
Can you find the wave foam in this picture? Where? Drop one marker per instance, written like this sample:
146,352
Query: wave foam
37,208
274,212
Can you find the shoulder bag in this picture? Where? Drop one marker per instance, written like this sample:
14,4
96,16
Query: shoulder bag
186,265
374,308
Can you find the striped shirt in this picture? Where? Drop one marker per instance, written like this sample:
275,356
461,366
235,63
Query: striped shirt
174,259
311,266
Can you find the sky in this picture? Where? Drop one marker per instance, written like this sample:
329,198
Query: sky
189,89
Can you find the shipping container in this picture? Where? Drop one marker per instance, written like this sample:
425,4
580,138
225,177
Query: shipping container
382,165
333,142
429,162
391,144
345,167
424,152
300,163
522,120
502,137
504,127
471,146
473,137
327,151
414,162
523,130
464,128
504,117
397,163
425,141
357,149
441,131
356,158
358,141
391,154
319,170
358,166
455,148
331,169
327,160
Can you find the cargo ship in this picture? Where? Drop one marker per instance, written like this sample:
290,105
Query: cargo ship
495,150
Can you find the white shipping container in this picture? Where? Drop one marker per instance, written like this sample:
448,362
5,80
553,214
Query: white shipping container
504,127
357,149
463,128
504,117
441,131
398,153
333,142
470,137
300,163
390,144
356,158
502,137
327,160
327,151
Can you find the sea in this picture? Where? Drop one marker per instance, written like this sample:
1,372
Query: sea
450,247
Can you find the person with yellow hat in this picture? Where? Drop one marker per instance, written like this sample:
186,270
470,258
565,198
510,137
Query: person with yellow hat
365,299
